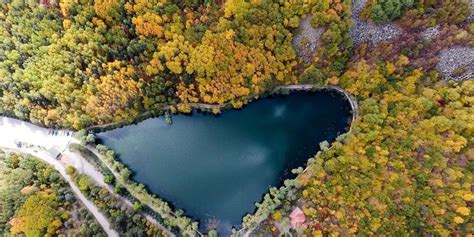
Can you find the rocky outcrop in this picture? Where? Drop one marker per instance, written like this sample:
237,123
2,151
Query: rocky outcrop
457,63
306,41
364,31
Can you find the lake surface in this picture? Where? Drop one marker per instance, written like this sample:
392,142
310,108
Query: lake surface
217,167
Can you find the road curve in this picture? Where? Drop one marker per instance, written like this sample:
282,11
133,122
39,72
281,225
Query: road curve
62,170
83,166
126,201
37,141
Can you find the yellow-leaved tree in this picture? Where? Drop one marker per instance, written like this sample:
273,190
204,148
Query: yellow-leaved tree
114,96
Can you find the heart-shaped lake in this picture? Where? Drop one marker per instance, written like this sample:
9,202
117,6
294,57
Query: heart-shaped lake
217,167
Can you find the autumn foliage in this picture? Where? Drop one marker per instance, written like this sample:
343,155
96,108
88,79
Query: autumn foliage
96,62
405,168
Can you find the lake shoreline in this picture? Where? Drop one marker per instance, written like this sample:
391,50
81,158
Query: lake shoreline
203,107
283,90
280,94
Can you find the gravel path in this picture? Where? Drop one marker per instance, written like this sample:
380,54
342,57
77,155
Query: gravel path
306,41
14,130
363,31
62,170
459,59
37,141
126,201
75,160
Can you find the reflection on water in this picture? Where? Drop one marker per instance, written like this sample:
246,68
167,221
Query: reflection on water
216,168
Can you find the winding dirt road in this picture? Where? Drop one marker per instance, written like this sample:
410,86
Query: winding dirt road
20,131
101,219
95,173
37,141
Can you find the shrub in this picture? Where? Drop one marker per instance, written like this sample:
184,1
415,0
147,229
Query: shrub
382,11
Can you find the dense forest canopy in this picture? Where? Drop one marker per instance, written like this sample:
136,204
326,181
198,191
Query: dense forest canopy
79,63
407,166
36,201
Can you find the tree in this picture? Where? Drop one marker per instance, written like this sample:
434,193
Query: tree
149,24
109,179
71,171
37,216
137,206
84,183
115,95
90,138
107,9
386,10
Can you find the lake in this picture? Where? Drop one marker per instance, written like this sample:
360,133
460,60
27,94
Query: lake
216,167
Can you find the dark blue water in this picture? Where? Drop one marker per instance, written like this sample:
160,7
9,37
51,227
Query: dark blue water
216,167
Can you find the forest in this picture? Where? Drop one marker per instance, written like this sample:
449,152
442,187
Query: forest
120,178
126,220
406,167
81,63
36,201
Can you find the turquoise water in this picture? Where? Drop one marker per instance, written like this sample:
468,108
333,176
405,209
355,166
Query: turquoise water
216,167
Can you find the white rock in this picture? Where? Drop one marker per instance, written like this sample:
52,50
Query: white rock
451,59
309,34
430,33
364,31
